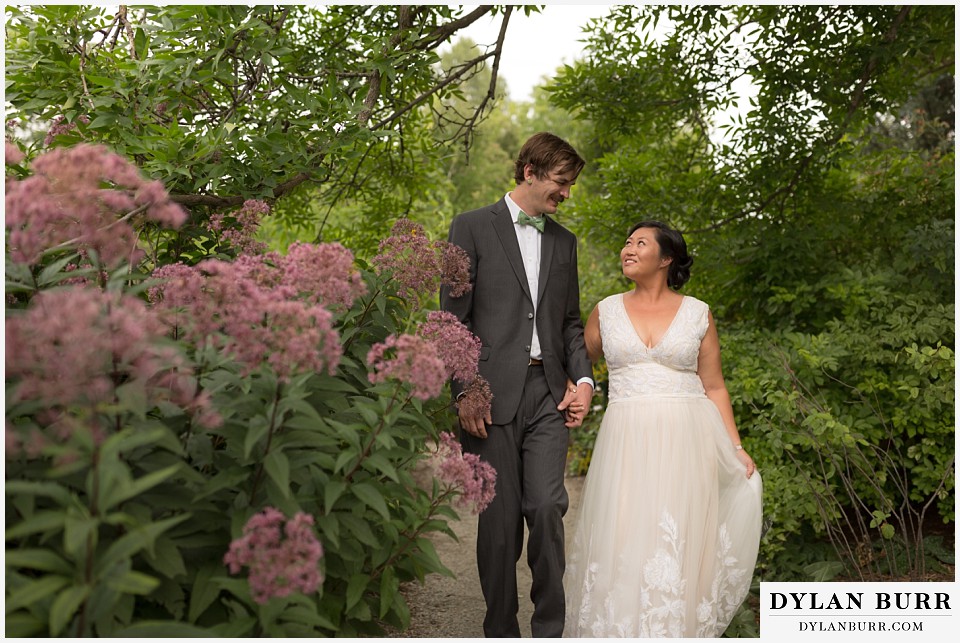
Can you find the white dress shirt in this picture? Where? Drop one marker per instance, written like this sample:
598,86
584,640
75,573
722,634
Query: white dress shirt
529,239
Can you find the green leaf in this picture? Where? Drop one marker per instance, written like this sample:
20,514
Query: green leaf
65,606
103,81
135,540
133,582
236,628
22,625
42,521
203,594
308,616
428,557
34,591
40,559
129,439
166,558
106,119
823,572
370,415
328,383
278,468
50,490
331,492
140,44
371,497
356,588
139,486
376,463
256,431
361,530
225,479
132,397
389,586
53,273
163,630
79,532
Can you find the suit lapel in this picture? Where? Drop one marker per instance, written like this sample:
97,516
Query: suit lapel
503,225
548,241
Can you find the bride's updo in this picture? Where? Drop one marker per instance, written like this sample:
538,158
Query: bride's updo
671,245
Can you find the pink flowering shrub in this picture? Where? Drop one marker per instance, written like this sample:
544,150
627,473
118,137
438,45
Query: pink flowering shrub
61,126
467,475
246,308
283,557
409,359
12,154
418,266
71,348
159,395
65,203
242,235
476,398
455,345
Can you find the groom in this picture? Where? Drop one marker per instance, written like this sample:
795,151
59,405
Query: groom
525,308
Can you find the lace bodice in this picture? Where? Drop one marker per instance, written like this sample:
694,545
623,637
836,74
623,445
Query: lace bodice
669,368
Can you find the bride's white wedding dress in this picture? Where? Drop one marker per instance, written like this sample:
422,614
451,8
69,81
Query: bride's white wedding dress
666,540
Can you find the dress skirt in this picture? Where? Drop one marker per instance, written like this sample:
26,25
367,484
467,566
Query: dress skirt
667,536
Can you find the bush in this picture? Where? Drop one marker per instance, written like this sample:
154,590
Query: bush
178,416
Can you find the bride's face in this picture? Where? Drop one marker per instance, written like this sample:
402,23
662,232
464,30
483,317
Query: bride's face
640,257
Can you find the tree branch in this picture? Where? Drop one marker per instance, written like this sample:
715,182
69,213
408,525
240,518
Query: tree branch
856,102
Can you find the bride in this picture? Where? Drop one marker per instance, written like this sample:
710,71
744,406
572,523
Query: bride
669,527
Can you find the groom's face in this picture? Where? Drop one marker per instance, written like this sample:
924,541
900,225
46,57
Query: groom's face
547,193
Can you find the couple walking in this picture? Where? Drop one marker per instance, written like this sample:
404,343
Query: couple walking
667,536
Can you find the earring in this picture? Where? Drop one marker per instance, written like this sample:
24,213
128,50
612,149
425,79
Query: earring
529,182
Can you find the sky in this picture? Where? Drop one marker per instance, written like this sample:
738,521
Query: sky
536,45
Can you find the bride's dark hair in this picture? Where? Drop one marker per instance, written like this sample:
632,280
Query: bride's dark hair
671,245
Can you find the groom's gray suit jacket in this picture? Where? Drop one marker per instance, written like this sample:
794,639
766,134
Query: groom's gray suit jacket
499,309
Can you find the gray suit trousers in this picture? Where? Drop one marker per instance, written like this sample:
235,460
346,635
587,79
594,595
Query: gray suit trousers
529,455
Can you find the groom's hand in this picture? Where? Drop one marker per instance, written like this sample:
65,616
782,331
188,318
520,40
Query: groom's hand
475,425
575,404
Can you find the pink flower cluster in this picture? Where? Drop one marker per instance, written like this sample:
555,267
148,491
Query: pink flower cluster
278,566
60,126
264,308
242,235
475,480
476,398
410,359
322,273
72,347
419,266
455,344
12,154
64,203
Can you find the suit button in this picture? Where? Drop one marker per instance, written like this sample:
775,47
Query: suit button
526,348
529,315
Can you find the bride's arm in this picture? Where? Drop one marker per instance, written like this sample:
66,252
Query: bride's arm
591,336
711,374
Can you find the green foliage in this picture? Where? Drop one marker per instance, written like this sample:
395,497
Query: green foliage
225,103
118,515
820,215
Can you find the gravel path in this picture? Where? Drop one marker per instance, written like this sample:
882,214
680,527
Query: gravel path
453,607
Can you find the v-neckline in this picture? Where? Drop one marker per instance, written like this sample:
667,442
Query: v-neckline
676,315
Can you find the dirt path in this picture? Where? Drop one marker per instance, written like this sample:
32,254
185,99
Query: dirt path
453,607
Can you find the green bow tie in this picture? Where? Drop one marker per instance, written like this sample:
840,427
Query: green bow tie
537,222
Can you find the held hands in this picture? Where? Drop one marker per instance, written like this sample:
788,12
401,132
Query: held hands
575,404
